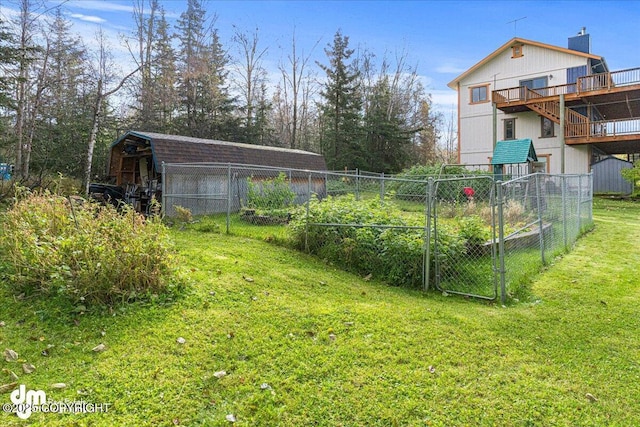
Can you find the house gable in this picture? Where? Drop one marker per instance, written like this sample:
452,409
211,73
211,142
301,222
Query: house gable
508,51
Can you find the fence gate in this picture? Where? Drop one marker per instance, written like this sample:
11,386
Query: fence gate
466,268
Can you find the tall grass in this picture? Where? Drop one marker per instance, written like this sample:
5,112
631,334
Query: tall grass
54,245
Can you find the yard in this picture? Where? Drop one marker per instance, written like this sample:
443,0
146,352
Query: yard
269,336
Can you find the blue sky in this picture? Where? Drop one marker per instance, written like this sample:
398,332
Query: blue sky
441,38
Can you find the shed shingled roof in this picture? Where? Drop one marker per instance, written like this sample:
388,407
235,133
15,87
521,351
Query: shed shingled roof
185,149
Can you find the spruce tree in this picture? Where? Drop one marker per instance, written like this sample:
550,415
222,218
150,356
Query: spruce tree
205,105
341,138
387,144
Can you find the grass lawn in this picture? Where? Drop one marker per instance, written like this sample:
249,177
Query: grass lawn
303,343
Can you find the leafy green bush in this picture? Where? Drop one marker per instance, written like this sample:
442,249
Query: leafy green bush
395,255
632,175
270,194
58,184
415,186
340,185
474,230
62,246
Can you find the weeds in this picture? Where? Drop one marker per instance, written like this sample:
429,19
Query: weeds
53,245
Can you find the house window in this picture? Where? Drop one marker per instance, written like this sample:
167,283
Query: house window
509,129
479,94
546,128
516,51
537,83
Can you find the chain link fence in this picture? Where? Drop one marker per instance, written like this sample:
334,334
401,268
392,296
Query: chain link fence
465,207
228,189
539,217
477,236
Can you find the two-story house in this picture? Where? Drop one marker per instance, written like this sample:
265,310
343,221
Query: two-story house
565,100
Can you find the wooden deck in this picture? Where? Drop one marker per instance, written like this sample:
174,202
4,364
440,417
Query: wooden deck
614,97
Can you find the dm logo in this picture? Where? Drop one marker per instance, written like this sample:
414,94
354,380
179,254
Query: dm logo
26,400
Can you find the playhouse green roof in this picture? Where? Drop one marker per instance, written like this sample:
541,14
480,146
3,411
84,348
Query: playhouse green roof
513,151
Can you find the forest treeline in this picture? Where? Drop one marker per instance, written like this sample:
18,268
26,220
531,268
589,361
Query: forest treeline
63,101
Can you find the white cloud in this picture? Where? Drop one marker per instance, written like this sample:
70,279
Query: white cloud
449,69
104,6
444,101
426,81
88,18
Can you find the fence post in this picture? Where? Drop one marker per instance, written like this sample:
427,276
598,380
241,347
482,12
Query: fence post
540,223
579,204
564,212
163,210
590,184
229,187
500,202
426,261
382,188
326,185
306,223
357,184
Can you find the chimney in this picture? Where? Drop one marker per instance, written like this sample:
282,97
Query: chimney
581,42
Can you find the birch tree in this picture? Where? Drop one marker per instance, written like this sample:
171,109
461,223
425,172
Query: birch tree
250,77
26,26
104,77
293,99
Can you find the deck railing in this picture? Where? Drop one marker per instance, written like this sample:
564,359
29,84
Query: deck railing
576,125
584,84
609,80
549,109
523,94
603,128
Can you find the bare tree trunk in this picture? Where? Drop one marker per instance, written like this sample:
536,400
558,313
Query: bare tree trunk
250,75
293,79
42,84
93,136
23,73
100,99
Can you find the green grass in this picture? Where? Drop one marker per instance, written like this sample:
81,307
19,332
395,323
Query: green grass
334,349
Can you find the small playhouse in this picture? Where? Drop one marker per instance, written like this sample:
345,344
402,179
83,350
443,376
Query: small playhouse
513,158
135,165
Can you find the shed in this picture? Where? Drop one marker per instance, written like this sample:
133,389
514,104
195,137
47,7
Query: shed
514,157
138,156
136,159
607,177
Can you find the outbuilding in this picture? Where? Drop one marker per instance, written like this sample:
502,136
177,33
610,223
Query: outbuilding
514,157
607,176
136,160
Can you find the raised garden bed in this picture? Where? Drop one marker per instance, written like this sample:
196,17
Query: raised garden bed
523,240
256,218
